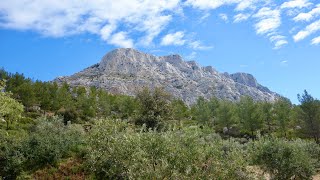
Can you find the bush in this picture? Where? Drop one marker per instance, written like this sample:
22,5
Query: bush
117,151
12,158
69,115
154,108
283,159
50,141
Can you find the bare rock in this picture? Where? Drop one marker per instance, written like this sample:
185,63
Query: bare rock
125,70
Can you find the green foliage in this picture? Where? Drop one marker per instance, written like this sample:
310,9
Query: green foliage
249,115
226,115
10,109
180,110
114,148
70,115
202,111
117,151
267,113
12,159
154,108
310,116
282,109
49,142
283,159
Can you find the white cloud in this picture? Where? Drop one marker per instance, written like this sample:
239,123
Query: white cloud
224,17
268,20
241,5
284,63
278,40
173,39
192,55
309,15
310,29
63,18
197,45
280,43
205,16
246,4
139,22
209,4
106,31
120,39
153,27
296,4
244,65
240,17
315,41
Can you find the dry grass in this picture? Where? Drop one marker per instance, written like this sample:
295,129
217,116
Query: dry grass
71,169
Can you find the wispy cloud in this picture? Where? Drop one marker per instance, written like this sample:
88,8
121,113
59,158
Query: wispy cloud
192,55
309,15
284,63
208,4
315,41
120,39
63,18
310,29
224,17
268,20
240,17
278,41
176,38
296,4
244,65
204,17
197,45
132,23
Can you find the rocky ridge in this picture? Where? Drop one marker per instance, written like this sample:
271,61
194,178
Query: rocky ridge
126,70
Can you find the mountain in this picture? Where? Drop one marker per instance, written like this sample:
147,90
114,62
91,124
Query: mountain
126,70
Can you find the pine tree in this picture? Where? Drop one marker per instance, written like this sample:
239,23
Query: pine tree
310,115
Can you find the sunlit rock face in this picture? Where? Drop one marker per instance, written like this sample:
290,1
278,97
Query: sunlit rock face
125,71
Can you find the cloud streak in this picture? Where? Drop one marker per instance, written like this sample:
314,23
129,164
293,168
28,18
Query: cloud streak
310,29
63,18
131,23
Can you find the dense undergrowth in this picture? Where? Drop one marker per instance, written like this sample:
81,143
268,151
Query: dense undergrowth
116,149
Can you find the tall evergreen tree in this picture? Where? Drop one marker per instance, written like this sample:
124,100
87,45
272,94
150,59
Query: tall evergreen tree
226,115
249,115
282,109
310,115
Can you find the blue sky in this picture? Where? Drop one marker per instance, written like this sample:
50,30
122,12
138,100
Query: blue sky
278,41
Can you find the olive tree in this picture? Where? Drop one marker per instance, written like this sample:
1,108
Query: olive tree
10,109
154,107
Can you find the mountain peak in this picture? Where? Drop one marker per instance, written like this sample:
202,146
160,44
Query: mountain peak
125,70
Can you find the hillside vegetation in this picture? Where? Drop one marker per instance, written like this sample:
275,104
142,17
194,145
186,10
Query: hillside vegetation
61,132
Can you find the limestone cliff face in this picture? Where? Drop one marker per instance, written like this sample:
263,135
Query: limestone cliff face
124,71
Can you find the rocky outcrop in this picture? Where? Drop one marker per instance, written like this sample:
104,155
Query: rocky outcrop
125,70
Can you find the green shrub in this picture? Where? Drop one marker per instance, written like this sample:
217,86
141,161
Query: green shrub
11,157
69,115
117,151
51,141
283,159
